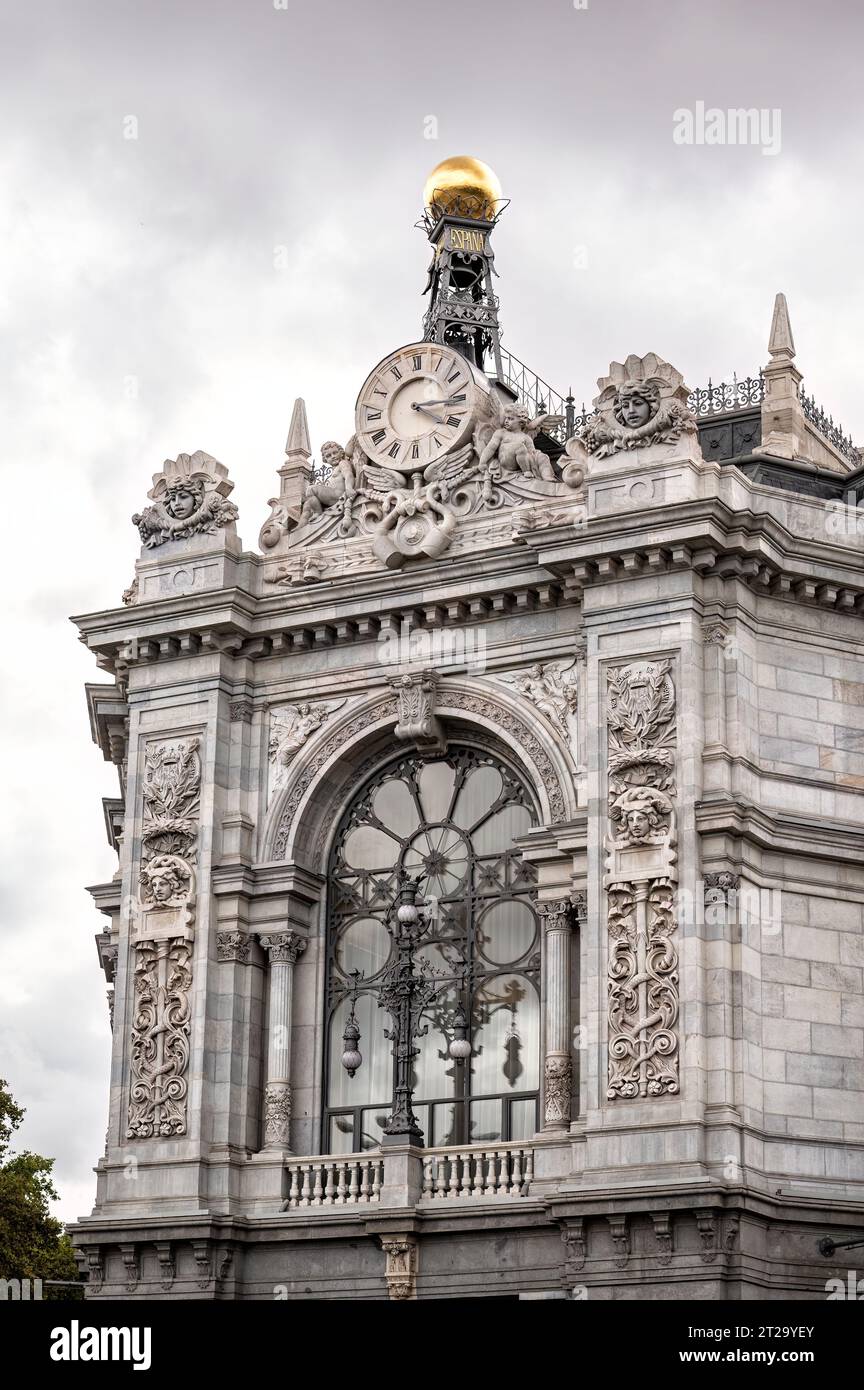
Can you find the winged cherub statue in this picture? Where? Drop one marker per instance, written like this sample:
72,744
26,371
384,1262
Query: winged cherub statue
509,440
341,480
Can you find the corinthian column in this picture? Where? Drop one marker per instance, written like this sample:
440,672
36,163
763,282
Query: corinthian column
283,950
556,918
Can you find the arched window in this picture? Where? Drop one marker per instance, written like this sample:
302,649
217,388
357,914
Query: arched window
449,823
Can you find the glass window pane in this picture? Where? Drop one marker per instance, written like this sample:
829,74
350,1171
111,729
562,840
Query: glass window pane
372,1124
436,789
341,1134
499,831
505,1036
438,860
479,791
523,1119
366,847
434,1070
506,932
372,1081
396,808
447,1125
485,1121
363,945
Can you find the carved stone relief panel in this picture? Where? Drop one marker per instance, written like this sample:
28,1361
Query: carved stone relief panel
640,881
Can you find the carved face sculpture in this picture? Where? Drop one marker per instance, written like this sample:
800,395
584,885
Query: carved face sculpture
515,418
164,880
639,824
183,500
332,454
635,406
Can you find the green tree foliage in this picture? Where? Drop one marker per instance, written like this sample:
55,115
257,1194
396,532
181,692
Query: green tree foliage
33,1244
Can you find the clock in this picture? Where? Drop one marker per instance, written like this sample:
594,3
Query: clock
417,405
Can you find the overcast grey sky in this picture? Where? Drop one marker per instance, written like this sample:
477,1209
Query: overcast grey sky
146,309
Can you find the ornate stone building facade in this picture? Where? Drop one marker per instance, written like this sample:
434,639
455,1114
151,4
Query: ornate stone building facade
592,682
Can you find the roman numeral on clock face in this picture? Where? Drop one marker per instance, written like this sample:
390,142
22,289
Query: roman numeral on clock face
372,414
417,361
454,399
415,451
453,421
455,375
393,451
378,436
396,372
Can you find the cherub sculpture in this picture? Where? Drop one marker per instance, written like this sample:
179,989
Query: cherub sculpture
341,482
508,441
289,730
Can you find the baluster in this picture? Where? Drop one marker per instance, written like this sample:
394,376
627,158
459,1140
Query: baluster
477,1185
529,1171
318,1194
516,1175
465,1184
365,1187
489,1189
504,1174
294,1194
427,1177
441,1178
342,1184
377,1179
354,1188
306,1189
330,1189
454,1174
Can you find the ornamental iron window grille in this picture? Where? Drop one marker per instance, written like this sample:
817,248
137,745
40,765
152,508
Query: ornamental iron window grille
449,824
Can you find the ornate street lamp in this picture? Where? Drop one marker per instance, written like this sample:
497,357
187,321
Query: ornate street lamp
405,995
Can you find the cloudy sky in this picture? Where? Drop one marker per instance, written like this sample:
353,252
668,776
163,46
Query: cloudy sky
208,210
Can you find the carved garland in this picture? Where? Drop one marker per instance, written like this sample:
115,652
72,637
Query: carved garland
163,936
640,882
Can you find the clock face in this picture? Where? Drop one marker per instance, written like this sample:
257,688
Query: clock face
418,404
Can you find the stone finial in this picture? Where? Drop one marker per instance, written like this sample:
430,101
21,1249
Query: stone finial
781,343
298,445
783,426
295,474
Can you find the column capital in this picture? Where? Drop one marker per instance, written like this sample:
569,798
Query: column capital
556,914
283,946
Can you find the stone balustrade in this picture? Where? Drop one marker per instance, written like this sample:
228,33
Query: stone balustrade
346,1180
503,1171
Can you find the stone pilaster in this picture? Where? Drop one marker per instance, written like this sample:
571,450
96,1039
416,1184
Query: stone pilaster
558,1073
283,949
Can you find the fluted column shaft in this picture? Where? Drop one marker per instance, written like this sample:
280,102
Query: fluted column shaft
558,1072
283,950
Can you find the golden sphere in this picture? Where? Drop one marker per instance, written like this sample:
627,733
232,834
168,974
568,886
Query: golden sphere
462,186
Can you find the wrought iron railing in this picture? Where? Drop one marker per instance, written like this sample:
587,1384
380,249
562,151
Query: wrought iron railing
816,416
537,395
717,399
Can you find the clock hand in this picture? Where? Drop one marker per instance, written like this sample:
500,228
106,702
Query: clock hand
446,401
416,406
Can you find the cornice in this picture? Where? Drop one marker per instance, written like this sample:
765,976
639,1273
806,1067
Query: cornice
814,837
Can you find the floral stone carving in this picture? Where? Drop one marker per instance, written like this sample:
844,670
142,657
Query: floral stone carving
640,882
163,934
189,498
642,401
